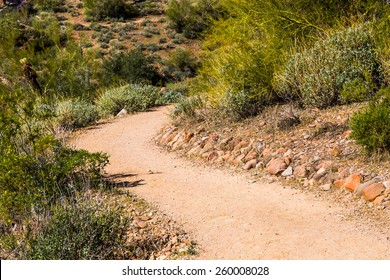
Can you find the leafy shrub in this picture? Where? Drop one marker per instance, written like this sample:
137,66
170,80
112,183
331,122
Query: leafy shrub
131,67
187,107
132,97
371,126
73,113
104,9
85,231
318,75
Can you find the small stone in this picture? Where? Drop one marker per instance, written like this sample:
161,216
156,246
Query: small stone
266,152
373,191
300,171
378,200
359,190
276,166
352,182
287,172
250,164
326,187
122,113
320,173
339,183
386,184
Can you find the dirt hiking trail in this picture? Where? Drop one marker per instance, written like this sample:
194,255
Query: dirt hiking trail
227,216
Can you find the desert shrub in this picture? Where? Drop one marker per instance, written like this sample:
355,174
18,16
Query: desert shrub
187,107
192,17
131,67
174,92
80,231
132,97
104,9
55,5
73,113
346,61
371,126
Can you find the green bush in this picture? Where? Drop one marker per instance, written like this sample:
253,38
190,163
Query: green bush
322,75
73,113
106,9
187,107
371,126
85,231
132,97
131,67
192,17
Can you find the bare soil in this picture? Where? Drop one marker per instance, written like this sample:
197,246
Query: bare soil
230,217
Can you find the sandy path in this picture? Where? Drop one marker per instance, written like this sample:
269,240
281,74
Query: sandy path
230,218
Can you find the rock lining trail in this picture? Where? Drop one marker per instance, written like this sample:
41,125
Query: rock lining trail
229,217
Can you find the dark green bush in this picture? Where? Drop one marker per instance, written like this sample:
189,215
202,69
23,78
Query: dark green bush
106,9
343,66
192,17
131,67
81,232
371,126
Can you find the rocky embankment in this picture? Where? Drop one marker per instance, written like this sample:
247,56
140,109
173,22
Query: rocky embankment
323,158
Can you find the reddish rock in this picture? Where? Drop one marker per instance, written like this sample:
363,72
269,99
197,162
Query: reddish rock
339,183
227,156
262,123
212,155
373,191
240,145
266,152
379,200
238,160
300,171
276,166
352,182
250,156
214,137
280,151
250,164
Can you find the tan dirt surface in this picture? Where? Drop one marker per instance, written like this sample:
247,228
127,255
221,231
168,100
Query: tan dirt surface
229,217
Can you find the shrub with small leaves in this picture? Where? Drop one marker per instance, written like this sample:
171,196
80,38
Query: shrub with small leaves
108,9
83,231
132,97
344,61
371,126
73,113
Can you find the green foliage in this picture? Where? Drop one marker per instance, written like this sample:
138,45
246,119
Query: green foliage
187,107
106,9
83,231
315,78
132,97
371,126
192,17
130,67
73,113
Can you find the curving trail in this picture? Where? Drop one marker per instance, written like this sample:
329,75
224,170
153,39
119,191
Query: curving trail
229,218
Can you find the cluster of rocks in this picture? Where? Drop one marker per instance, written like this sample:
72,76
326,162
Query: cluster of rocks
301,162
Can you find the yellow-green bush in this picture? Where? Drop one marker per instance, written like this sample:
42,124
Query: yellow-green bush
342,67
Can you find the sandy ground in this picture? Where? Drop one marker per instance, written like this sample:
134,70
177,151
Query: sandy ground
229,217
